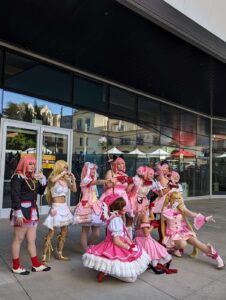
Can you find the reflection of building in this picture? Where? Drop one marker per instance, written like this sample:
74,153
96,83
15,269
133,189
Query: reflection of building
85,122
50,118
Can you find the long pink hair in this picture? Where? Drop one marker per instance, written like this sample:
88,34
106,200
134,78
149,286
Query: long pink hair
115,163
22,166
143,171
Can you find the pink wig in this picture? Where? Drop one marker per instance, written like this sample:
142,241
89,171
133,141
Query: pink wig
143,171
175,175
22,166
115,163
111,199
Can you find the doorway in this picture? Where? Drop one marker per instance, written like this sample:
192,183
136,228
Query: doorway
47,144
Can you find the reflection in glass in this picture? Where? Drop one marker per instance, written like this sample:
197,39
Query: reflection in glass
19,142
55,147
29,109
90,94
122,103
219,157
27,75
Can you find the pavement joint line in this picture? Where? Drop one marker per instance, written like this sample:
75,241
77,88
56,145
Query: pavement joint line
14,275
158,289
201,288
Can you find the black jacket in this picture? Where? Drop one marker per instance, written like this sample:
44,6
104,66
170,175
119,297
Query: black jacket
25,191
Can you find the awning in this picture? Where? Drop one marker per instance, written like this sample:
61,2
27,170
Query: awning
183,153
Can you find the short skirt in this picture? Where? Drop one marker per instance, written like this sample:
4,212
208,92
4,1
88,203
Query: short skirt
62,216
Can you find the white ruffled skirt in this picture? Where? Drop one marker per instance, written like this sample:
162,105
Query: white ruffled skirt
62,218
115,267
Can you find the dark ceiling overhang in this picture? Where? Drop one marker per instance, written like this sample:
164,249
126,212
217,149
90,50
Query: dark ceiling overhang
105,38
167,17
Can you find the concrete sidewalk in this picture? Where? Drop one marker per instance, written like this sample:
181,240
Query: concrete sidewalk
196,278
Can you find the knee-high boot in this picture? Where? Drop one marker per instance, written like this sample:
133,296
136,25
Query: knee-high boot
215,255
46,250
59,248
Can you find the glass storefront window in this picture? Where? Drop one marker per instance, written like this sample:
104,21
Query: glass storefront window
27,75
30,109
122,103
1,102
90,94
1,67
219,157
133,125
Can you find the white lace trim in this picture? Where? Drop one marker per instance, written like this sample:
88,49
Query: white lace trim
116,267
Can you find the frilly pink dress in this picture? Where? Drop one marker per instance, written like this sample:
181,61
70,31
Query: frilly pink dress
176,227
111,259
157,253
138,196
90,193
120,188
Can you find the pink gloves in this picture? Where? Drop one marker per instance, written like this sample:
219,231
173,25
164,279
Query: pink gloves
200,220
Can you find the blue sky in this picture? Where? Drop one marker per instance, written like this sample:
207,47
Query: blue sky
18,98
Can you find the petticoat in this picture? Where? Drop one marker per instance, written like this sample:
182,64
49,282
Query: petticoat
62,218
114,260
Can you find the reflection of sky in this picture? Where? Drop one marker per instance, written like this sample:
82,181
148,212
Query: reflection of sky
18,98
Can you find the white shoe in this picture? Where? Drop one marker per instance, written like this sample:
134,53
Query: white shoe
40,268
21,271
220,263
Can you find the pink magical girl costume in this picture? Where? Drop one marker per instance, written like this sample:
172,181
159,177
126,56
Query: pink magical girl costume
90,194
120,187
142,186
174,184
107,257
158,254
177,228
163,181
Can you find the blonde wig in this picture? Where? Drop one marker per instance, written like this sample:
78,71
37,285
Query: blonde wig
59,167
170,199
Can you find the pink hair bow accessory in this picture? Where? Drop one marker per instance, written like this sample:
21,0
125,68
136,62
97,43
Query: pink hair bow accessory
200,220
110,199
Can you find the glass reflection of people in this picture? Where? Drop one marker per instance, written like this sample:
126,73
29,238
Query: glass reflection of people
25,185
59,183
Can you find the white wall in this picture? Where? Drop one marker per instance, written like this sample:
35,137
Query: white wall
210,14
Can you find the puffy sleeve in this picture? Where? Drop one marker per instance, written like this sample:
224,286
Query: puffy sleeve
116,226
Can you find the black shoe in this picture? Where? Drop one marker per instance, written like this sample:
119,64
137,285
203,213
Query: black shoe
155,270
40,268
21,271
168,264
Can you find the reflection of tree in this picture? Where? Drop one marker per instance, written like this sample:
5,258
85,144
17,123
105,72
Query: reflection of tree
28,116
23,112
21,141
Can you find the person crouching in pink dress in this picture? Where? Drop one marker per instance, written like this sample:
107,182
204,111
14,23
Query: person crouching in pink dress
160,258
177,231
117,255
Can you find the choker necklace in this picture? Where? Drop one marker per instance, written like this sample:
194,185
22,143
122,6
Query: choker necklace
28,184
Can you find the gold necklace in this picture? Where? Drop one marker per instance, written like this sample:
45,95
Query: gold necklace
28,184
